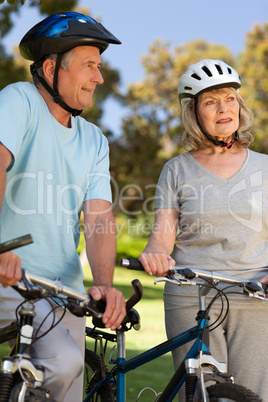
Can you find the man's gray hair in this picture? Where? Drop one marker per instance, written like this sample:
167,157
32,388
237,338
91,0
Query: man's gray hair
65,64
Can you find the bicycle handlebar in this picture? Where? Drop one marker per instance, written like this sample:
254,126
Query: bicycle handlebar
15,243
131,263
186,276
33,286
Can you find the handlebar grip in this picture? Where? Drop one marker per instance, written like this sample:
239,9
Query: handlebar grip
15,243
131,263
135,298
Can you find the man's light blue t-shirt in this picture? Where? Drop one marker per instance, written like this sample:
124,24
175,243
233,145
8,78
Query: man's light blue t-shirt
54,170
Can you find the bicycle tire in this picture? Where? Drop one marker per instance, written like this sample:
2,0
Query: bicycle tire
231,393
92,375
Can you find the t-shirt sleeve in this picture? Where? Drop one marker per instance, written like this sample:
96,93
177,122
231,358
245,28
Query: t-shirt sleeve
166,195
99,181
14,112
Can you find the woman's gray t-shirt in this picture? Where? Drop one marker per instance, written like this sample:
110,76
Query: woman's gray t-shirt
223,222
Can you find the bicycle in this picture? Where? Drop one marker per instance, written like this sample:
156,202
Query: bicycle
20,379
197,370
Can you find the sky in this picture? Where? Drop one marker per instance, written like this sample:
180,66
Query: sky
137,23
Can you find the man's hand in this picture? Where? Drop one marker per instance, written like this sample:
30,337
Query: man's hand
10,269
115,304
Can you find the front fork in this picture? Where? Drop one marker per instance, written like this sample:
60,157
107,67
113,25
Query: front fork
21,361
204,367
198,372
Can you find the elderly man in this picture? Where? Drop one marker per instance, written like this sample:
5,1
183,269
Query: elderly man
53,166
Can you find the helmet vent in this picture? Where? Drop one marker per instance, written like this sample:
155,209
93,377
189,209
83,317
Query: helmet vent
219,69
196,77
229,70
188,88
207,71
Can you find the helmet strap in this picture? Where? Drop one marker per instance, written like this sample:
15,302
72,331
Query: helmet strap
222,144
54,92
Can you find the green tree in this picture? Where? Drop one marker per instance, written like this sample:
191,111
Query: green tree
45,6
9,70
254,71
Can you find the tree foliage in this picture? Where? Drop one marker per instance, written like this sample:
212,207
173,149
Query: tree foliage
45,6
254,70
9,71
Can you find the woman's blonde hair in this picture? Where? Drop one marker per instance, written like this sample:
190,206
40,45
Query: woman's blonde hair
194,139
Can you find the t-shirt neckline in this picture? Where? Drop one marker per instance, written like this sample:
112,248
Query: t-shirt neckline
215,176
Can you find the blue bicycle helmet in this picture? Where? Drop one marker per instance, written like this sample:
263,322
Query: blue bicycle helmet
58,34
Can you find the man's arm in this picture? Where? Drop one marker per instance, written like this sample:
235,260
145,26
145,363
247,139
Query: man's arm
5,160
10,263
100,237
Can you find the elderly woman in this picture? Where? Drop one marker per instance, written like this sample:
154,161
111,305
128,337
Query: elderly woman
216,194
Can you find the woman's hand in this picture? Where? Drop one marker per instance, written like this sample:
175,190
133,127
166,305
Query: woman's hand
157,264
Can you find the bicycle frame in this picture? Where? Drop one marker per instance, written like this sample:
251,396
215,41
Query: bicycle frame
123,366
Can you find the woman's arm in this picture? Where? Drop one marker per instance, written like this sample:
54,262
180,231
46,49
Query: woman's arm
156,258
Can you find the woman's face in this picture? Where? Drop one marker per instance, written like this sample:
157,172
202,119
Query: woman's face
218,112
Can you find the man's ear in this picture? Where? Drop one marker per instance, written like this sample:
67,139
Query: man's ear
48,70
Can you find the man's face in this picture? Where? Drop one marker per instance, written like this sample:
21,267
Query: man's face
77,84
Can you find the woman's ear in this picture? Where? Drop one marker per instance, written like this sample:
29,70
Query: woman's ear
48,70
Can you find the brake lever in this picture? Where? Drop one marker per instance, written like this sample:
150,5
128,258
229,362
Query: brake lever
179,281
255,290
26,288
94,308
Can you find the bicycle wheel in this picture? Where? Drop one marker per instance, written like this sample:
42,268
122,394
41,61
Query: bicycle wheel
227,392
92,375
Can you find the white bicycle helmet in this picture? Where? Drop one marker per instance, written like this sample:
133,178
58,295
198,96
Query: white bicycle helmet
204,76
